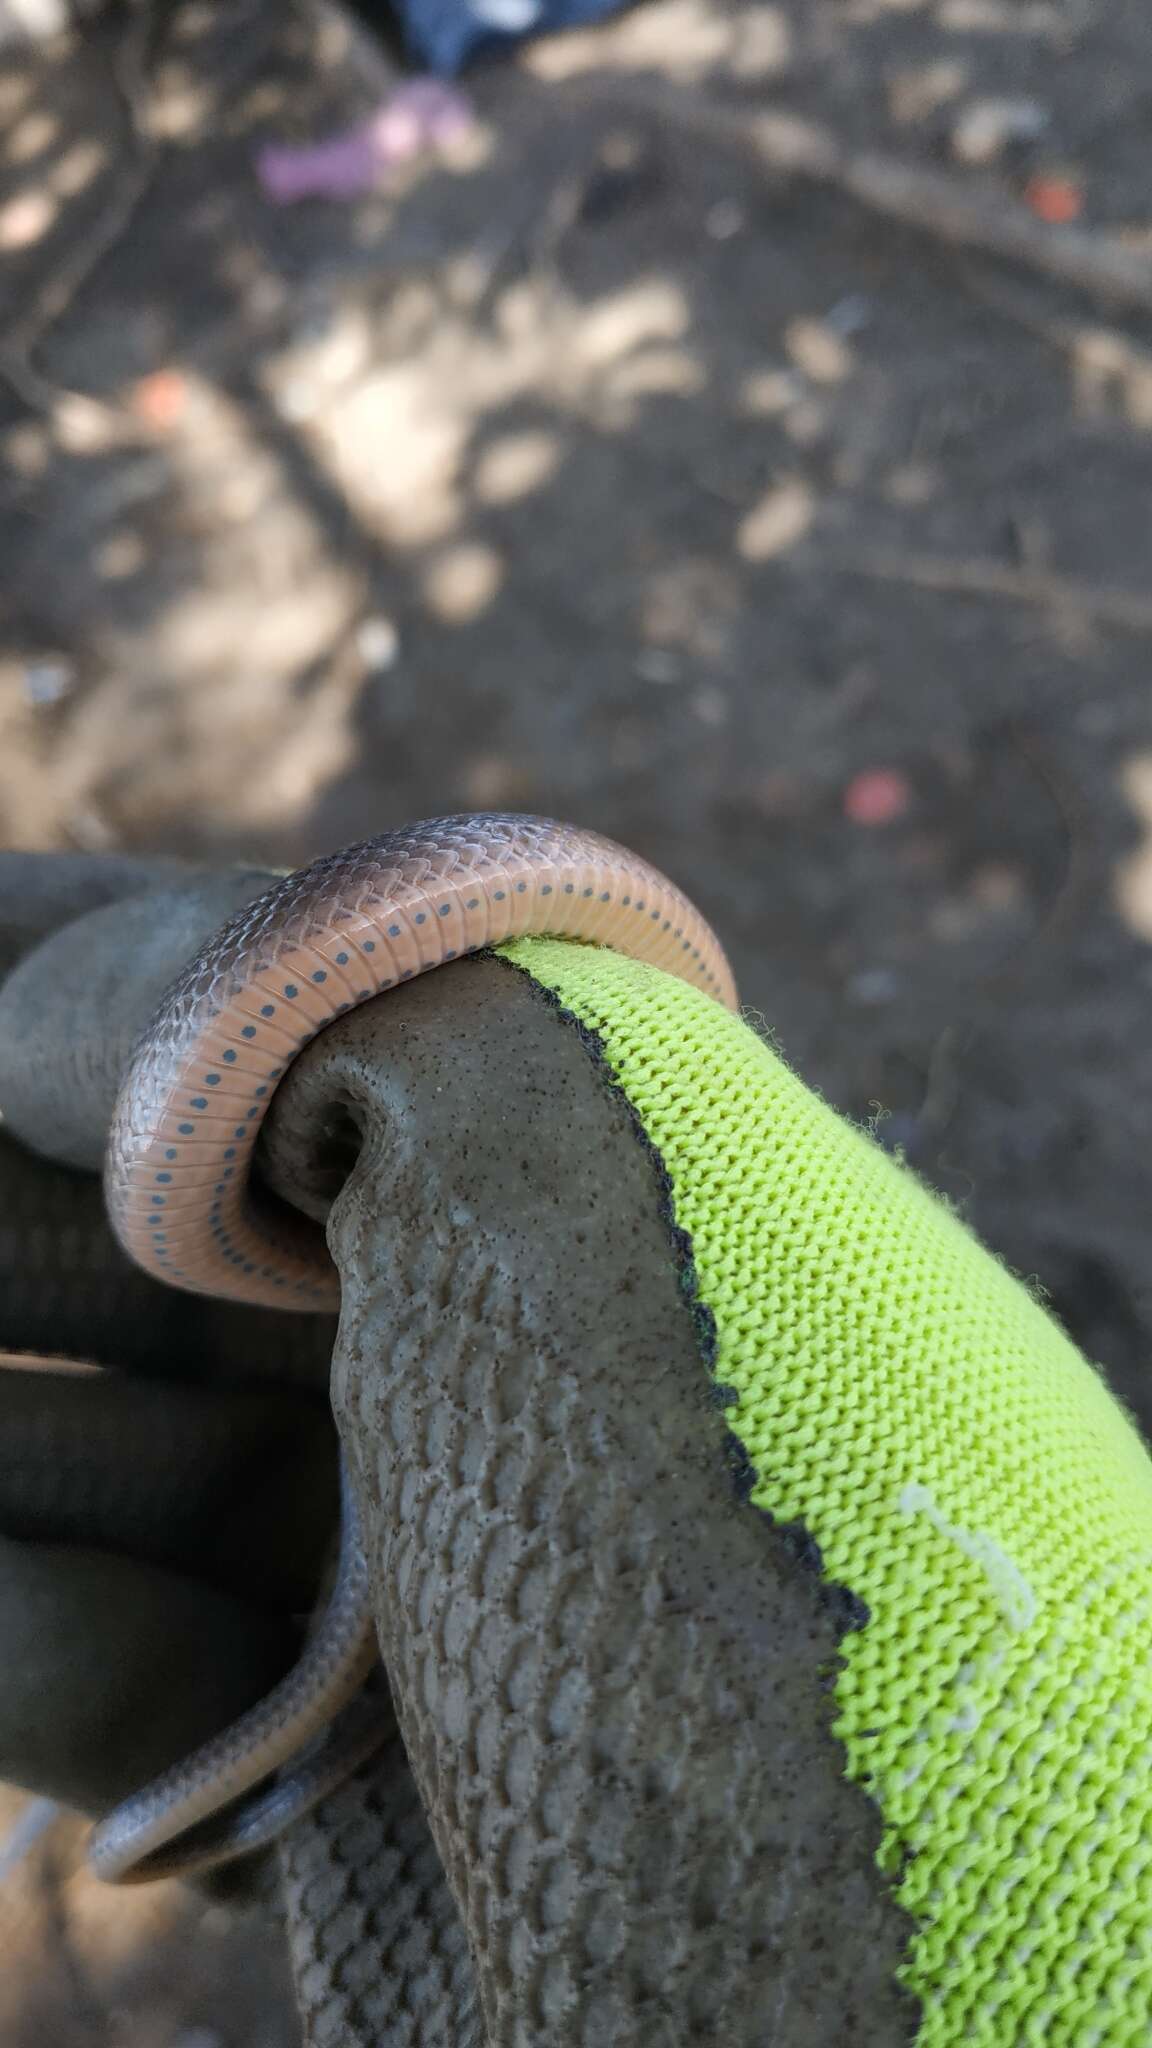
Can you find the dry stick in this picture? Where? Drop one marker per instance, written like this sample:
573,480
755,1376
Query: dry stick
970,577
954,210
971,218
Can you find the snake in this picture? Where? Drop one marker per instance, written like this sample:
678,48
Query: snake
187,1206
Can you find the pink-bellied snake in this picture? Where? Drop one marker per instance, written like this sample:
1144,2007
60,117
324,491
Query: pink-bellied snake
181,1200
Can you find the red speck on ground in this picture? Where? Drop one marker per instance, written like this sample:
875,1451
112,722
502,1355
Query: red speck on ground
160,399
877,796
1056,200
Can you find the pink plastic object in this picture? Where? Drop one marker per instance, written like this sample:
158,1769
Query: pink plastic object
422,115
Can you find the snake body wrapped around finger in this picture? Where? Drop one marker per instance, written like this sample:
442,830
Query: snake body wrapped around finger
311,948
186,1130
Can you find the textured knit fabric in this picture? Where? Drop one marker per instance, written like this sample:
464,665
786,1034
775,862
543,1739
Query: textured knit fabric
966,1475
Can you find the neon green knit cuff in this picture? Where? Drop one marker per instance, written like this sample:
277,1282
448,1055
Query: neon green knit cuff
966,1476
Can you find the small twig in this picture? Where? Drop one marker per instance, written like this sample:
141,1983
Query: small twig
556,221
952,209
965,576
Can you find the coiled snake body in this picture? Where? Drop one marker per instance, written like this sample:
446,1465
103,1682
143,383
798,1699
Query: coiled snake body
181,1200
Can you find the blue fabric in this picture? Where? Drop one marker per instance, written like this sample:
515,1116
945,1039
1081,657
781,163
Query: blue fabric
443,34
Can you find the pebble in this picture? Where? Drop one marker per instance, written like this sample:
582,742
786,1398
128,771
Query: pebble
657,665
983,130
710,706
46,682
850,315
819,350
872,986
725,219
378,643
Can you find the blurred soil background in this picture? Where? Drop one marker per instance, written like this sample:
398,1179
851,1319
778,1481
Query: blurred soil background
596,463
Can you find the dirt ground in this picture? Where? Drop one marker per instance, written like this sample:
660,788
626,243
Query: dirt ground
597,468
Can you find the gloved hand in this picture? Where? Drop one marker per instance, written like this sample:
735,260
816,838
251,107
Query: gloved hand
761,1577
150,1584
